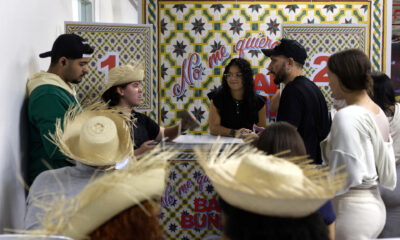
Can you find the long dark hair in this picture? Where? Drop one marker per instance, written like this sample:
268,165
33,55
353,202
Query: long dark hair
383,94
248,80
281,136
353,69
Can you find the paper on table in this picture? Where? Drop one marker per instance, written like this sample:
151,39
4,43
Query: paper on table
205,139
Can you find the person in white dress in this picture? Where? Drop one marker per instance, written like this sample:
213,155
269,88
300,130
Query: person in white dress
359,142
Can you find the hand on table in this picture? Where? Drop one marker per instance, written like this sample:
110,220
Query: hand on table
242,133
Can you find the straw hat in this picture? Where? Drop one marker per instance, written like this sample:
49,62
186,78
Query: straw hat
95,136
268,185
107,196
125,74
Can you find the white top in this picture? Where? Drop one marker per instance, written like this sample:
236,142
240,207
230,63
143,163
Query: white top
356,142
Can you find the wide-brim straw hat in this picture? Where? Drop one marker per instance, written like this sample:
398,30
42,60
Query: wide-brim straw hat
94,135
125,74
107,196
268,185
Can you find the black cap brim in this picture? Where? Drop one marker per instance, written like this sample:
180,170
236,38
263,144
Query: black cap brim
268,52
45,54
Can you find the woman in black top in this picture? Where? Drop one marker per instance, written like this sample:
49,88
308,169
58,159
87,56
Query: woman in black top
235,106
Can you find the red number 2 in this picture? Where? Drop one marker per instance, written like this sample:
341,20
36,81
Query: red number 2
319,62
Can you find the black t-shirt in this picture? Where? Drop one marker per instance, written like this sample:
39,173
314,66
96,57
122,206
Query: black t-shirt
145,129
303,105
236,114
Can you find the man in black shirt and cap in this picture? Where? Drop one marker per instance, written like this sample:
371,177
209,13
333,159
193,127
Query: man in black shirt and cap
301,103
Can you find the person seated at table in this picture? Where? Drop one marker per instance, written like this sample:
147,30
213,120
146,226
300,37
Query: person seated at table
282,136
235,107
124,91
121,204
97,138
267,197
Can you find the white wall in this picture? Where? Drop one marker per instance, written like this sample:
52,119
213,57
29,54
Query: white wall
115,11
27,29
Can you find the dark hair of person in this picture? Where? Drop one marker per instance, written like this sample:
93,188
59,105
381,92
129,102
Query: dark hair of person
243,225
132,223
353,69
111,96
280,136
298,65
247,78
54,60
383,94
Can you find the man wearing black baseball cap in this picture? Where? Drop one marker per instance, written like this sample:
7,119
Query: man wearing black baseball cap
50,94
301,103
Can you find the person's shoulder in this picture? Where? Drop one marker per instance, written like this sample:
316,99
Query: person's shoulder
48,178
259,99
215,94
139,115
48,91
350,115
293,88
141,118
302,82
397,107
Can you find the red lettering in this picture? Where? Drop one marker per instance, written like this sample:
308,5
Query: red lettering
186,221
197,221
200,205
205,205
261,84
218,56
110,62
322,75
187,75
184,188
264,42
214,221
319,61
274,44
201,220
213,205
239,47
268,87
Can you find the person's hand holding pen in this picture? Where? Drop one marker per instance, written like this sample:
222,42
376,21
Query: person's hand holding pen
242,133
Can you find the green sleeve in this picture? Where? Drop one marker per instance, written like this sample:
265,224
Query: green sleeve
46,109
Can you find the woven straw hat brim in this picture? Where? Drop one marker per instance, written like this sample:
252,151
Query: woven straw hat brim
135,189
124,74
107,196
270,198
67,140
268,206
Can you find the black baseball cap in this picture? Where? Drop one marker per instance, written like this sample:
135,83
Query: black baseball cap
70,46
289,48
